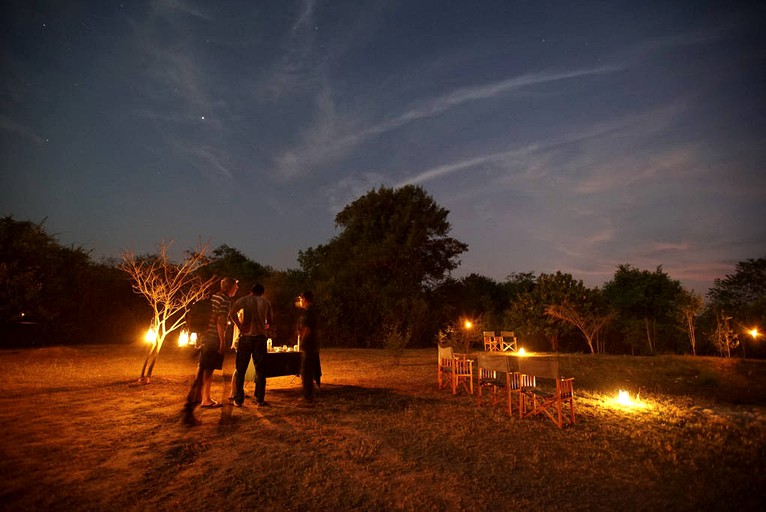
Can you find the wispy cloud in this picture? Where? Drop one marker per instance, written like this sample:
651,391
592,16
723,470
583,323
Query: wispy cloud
434,107
177,86
325,139
603,155
171,8
211,157
318,145
9,125
519,157
296,66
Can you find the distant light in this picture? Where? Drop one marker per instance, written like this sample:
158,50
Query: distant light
754,332
203,118
468,324
522,351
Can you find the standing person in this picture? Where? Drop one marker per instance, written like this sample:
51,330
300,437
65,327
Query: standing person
309,345
213,348
254,327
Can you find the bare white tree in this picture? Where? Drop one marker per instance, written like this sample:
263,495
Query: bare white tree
724,337
590,324
169,288
691,304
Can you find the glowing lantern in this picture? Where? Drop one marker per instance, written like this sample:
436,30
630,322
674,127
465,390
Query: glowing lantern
522,351
754,332
183,339
151,335
468,324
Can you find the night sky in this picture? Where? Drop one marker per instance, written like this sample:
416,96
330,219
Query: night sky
569,135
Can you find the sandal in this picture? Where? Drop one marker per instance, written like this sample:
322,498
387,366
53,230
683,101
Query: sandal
212,405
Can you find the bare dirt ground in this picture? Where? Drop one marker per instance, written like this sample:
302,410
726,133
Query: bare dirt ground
78,433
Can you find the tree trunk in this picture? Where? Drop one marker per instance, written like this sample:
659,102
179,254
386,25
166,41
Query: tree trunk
590,344
151,357
648,335
158,347
692,337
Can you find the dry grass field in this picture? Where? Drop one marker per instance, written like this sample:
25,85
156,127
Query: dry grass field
78,433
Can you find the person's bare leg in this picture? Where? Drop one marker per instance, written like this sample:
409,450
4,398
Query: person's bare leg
207,382
233,384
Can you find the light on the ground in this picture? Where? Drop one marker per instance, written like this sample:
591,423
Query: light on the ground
623,397
625,402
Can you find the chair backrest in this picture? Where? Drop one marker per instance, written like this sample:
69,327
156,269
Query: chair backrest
492,363
540,368
491,342
445,353
507,341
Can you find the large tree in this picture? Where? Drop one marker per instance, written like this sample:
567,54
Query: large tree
527,312
39,277
393,247
644,302
588,313
228,261
54,294
475,297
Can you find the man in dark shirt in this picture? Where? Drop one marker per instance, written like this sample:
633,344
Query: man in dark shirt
309,345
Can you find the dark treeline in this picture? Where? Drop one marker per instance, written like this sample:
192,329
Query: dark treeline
386,278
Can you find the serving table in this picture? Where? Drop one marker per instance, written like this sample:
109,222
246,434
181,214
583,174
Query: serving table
279,364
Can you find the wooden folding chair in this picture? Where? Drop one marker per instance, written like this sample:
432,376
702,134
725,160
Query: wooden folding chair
491,342
516,382
548,400
493,378
446,361
507,341
462,373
